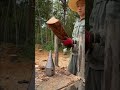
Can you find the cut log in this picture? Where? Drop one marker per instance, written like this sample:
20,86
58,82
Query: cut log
57,28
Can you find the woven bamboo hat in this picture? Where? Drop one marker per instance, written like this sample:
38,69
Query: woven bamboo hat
72,4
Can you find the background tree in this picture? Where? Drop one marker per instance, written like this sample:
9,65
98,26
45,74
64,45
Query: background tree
17,23
44,10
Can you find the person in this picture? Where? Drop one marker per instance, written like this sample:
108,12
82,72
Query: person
95,53
79,31
112,46
103,54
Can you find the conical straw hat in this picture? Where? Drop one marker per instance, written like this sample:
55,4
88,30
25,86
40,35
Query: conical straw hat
72,4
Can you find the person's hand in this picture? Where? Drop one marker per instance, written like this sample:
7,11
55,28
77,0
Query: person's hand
68,42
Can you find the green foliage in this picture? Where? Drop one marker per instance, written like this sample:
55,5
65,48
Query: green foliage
28,48
16,19
16,23
48,46
45,9
57,10
70,20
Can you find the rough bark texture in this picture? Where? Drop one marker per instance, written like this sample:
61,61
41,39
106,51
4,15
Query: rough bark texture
58,30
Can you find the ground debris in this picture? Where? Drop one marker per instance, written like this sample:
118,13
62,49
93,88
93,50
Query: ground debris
61,78
14,73
42,67
23,81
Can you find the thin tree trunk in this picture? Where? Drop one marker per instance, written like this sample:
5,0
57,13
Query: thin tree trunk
41,35
52,39
64,11
19,25
41,32
56,50
15,17
64,2
52,36
38,32
39,18
46,36
64,15
5,24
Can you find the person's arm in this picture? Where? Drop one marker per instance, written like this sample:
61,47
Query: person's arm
68,42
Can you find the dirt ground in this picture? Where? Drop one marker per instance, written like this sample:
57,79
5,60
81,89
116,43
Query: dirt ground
61,78
42,56
15,71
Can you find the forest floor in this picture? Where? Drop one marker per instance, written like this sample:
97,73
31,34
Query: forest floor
62,77
15,71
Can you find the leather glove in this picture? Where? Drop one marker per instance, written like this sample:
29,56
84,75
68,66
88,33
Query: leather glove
68,42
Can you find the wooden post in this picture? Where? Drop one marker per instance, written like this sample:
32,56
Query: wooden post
56,50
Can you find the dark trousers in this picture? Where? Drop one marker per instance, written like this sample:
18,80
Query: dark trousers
94,79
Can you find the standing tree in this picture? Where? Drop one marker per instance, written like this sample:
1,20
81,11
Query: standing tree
43,11
64,5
